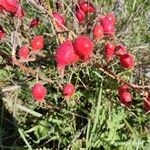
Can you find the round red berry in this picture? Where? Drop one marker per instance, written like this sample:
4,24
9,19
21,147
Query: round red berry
1,8
123,88
69,89
147,103
108,22
109,51
125,97
120,50
80,15
108,29
39,92
83,47
91,8
23,52
37,43
10,5
87,7
127,61
98,32
2,33
65,55
111,18
34,23
59,19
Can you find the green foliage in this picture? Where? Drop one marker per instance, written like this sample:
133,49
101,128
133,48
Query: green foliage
93,119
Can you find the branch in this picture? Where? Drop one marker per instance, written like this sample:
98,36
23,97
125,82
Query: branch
119,79
30,70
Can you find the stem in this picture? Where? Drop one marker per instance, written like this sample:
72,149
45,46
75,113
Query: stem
119,79
30,70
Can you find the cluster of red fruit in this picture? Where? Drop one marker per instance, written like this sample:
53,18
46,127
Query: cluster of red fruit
13,7
37,44
126,59
73,51
125,96
39,91
82,9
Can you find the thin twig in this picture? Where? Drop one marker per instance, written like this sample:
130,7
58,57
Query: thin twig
30,70
119,79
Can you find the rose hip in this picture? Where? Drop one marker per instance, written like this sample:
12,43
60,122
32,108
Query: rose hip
123,88
59,19
147,103
23,52
65,55
39,92
83,47
10,5
69,90
34,23
87,7
127,61
2,33
37,43
120,50
80,15
98,32
125,98
109,51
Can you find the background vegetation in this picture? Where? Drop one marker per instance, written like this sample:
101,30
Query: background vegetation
93,118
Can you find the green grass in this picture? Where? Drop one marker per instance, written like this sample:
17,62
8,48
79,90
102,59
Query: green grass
93,119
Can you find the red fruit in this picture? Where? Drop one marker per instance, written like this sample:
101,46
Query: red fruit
10,5
84,6
147,103
37,43
1,8
123,88
108,22
127,61
65,55
120,50
69,90
111,18
125,97
83,47
20,12
109,51
80,15
23,52
98,32
108,29
34,23
91,8
87,7
2,33
59,19
39,92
